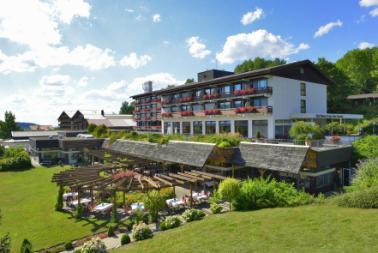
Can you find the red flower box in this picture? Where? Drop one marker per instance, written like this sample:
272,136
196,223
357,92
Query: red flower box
187,113
211,96
245,92
165,102
156,100
186,99
166,114
212,112
248,109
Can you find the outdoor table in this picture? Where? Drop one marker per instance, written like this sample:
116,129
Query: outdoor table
177,203
83,201
136,206
103,207
70,194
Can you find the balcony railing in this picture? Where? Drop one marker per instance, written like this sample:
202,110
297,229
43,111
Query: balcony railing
226,112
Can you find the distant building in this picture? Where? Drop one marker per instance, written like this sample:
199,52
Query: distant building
41,127
80,120
368,99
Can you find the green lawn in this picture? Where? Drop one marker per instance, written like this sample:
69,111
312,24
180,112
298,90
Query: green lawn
27,200
304,229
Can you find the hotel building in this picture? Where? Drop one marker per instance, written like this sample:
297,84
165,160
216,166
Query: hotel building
257,104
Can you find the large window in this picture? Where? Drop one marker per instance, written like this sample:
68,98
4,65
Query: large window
303,89
238,86
260,129
210,91
210,127
186,127
209,106
226,89
176,127
259,101
241,127
238,103
303,106
197,108
225,105
197,127
282,128
225,126
260,84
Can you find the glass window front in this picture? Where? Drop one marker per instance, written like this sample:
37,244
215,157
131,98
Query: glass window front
282,128
186,127
241,127
167,127
176,127
210,127
260,84
259,128
225,126
197,127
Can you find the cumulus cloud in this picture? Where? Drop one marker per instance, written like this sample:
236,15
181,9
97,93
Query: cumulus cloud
368,3
83,82
252,16
129,10
260,43
197,49
364,45
323,30
66,10
134,61
156,18
374,12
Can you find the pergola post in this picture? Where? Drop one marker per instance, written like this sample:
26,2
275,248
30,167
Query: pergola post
78,196
174,191
91,194
233,171
191,195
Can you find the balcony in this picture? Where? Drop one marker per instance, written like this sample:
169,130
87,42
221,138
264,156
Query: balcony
187,114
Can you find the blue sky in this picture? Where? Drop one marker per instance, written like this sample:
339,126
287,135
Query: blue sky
84,54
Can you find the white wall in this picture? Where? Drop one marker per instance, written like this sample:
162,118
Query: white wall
286,97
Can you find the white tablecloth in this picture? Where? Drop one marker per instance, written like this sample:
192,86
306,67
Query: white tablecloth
70,194
103,207
198,196
136,206
83,201
174,202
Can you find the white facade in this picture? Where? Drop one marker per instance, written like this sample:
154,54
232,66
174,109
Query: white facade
285,101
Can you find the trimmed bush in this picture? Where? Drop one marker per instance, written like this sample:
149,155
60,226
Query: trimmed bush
265,193
59,201
125,239
26,247
129,224
192,215
68,246
170,222
229,189
79,211
365,198
111,231
366,147
302,131
215,208
141,232
94,246
15,159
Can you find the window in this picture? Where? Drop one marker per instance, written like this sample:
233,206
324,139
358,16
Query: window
167,127
303,89
260,129
238,103
185,108
282,128
175,109
197,108
238,86
324,180
225,105
260,84
210,91
209,106
210,127
226,89
198,93
197,127
176,127
259,101
241,127
225,126
186,127
303,106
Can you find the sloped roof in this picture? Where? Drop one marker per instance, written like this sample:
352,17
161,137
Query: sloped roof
278,157
187,153
28,134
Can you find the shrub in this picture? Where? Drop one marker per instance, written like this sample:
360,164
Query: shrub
15,159
229,189
91,128
79,211
111,231
68,246
365,198
141,232
95,245
139,216
170,222
154,202
59,201
125,239
215,208
192,215
367,175
301,131
26,247
337,128
129,224
265,193
366,147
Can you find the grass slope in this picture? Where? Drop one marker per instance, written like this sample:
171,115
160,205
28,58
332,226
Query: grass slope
27,200
312,229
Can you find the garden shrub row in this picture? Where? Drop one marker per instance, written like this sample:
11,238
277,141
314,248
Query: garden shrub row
14,159
363,198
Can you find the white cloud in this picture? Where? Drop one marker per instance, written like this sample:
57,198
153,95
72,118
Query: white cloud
129,10
18,63
252,16
368,3
197,49
260,43
374,12
156,18
364,45
68,9
134,61
323,30
83,82
55,80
